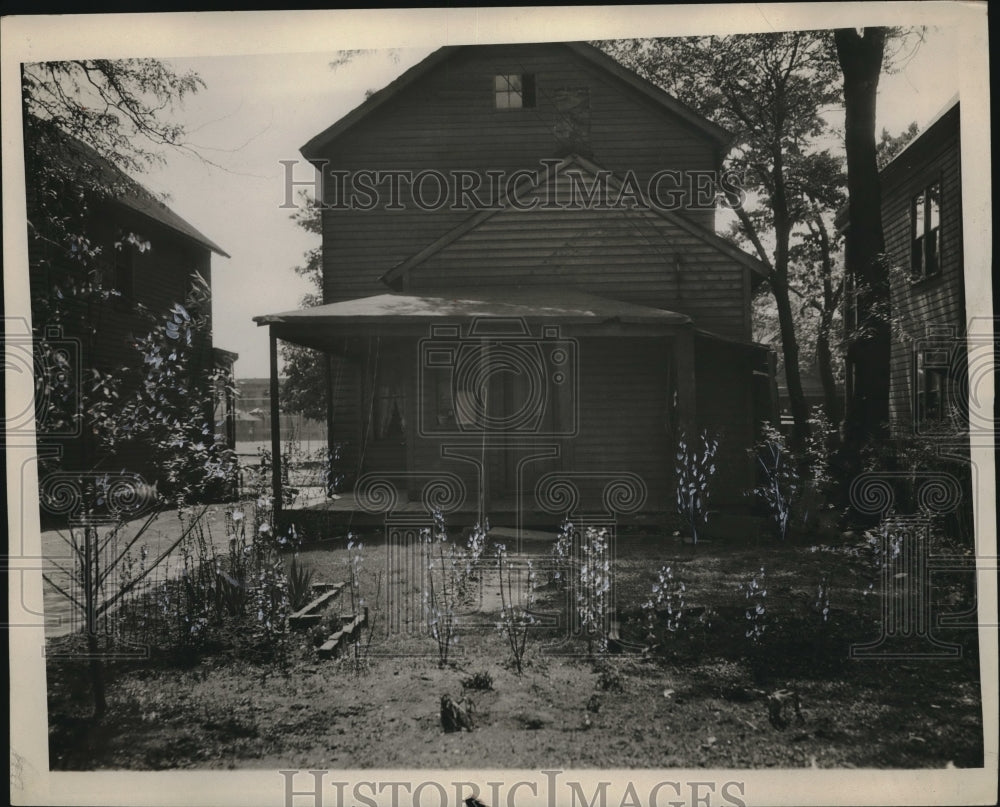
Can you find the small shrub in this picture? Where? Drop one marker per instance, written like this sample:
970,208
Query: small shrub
695,468
780,477
610,679
481,682
470,574
515,613
444,571
594,588
562,555
792,481
666,604
360,604
476,544
755,592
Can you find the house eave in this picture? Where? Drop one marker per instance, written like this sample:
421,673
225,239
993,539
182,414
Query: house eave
315,148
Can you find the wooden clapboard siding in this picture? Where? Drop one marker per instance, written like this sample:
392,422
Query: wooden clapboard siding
631,255
625,376
446,120
344,430
937,301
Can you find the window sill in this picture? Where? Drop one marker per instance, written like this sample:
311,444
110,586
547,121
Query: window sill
927,280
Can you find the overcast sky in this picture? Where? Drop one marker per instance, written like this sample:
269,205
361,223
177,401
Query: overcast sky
258,110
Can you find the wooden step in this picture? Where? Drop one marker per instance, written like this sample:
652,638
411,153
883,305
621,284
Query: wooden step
312,613
352,623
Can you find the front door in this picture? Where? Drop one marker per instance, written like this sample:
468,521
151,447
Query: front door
519,433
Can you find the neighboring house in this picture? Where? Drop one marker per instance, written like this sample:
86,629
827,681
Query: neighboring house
812,391
253,423
922,221
153,270
522,333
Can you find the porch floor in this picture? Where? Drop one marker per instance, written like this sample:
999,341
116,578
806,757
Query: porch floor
318,514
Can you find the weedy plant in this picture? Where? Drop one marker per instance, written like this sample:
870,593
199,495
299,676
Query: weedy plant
444,568
361,604
695,468
475,547
593,594
481,681
754,591
780,477
300,579
516,619
793,480
562,555
665,606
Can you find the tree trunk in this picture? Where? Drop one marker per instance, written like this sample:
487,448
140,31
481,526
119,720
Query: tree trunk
867,414
824,363
790,352
786,321
96,676
91,570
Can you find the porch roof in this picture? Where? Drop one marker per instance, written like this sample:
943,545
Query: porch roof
560,306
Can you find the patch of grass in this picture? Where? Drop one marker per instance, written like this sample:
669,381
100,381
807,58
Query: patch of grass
656,711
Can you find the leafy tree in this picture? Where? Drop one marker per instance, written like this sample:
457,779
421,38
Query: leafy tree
304,369
771,91
889,145
87,125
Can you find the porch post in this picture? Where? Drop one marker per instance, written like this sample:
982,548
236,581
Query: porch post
684,381
275,427
330,392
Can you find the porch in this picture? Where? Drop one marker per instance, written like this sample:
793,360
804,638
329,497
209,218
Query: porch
524,405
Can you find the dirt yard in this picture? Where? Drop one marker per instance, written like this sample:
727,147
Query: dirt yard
704,698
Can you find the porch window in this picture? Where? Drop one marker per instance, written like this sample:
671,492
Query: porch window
930,386
456,408
925,217
390,409
514,90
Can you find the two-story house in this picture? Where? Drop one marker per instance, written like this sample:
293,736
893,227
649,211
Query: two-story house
523,287
144,256
922,221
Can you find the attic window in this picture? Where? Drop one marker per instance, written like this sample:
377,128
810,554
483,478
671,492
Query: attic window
514,90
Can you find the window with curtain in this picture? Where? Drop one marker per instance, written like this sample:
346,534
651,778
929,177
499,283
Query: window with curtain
925,215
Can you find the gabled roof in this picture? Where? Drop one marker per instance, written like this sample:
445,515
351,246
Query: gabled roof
543,176
939,125
314,148
143,201
130,193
